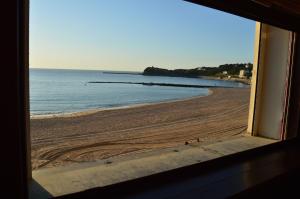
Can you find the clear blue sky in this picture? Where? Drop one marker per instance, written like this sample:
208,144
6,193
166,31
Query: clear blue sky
129,35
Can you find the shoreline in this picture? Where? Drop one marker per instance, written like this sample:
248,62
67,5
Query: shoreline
97,110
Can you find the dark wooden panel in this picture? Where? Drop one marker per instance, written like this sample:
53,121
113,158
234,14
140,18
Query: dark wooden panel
293,114
290,6
13,136
273,15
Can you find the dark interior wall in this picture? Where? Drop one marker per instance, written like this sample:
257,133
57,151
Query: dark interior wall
12,148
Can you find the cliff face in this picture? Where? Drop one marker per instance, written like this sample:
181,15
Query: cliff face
231,69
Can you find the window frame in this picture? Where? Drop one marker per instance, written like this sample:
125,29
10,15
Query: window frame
18,141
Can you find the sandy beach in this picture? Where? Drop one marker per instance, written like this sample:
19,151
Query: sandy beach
103,134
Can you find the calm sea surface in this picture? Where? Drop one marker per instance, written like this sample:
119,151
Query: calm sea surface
64,91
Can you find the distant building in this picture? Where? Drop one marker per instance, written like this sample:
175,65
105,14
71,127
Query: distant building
201,68
225,72
242,74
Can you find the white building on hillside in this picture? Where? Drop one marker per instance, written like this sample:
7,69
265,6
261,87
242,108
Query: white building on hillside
242,74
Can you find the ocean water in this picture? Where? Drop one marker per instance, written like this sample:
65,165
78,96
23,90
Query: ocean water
55,91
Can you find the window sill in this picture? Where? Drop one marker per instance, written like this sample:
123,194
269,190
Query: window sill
72,179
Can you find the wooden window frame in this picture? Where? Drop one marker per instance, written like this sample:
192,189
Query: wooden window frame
16,172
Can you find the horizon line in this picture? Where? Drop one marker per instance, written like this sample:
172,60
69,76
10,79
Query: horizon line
92,69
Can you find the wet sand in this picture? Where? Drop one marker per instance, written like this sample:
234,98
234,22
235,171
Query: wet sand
103,134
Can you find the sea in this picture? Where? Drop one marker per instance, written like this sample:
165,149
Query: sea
60,91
